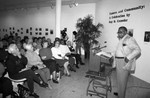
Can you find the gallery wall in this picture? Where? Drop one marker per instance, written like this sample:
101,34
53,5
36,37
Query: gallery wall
134,14
41,21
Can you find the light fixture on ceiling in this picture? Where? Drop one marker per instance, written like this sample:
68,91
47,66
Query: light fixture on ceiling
52,6
73,4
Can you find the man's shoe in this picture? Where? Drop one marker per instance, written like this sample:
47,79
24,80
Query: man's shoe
77,66
115,93
44,85
55,81
34,95
82,63
71,69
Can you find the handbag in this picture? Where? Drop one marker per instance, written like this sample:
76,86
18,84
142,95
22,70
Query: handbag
23,91
34,68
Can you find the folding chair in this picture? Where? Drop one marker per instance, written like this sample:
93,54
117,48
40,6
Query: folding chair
15,83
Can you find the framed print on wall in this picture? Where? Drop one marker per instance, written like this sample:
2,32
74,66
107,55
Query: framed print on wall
46,33
46,29
147,36
27,30
40,29
51,31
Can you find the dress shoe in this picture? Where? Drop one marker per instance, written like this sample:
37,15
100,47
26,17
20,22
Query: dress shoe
71,69
55,81
77,66
68,75
44,85
82,63
115,93
34,95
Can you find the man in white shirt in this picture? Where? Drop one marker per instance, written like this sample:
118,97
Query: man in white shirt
125,56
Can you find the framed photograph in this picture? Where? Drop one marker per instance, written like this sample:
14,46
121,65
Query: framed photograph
46,29
40,29
13,32
9,28
18,30
51,31
21,32
40,33
36,29
13,28
3,30
46,33
36,33
21,28
30,28
130,32
30,33
147,36
27,30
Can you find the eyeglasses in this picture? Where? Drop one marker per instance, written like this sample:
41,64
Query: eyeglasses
119,32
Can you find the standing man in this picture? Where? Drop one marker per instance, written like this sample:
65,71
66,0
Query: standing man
125,56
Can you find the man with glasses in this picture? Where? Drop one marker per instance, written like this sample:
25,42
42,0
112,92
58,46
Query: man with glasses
125,56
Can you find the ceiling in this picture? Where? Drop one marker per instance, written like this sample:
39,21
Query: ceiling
13,4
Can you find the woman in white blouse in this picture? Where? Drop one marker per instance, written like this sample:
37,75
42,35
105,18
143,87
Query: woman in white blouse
60,58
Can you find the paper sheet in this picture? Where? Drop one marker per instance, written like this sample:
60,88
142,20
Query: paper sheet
104,53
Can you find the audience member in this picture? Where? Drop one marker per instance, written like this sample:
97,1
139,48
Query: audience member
60,57
66,52
74,54
77,43
6,87
35,63
16,67
46,56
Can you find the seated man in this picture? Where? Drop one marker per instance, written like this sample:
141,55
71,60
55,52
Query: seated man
6,87
74,54
35,63
16,64
46,56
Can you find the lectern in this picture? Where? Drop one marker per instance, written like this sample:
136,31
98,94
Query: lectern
100,81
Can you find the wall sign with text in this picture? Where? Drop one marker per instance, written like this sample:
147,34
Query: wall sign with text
123,15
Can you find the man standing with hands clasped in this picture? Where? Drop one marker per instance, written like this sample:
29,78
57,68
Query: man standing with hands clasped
124,59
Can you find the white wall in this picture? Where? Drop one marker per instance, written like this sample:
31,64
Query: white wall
44,18
138,21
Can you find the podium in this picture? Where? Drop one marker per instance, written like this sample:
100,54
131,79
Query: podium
100,81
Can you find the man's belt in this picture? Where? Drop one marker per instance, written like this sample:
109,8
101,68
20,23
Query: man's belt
119,57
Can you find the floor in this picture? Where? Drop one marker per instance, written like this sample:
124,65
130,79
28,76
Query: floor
76,85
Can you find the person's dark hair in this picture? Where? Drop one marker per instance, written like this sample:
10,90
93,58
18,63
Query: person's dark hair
57,38
124,28
56,41
74,33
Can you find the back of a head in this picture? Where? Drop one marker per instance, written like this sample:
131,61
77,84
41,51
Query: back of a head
28,46
11,48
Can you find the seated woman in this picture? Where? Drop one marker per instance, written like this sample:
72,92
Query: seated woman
16,67
59,57
6,87
35,63
65,50
46,56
